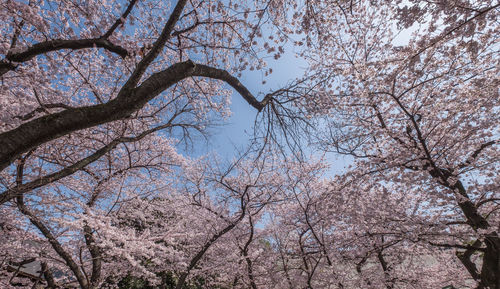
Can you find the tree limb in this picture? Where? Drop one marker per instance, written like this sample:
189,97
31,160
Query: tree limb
20,189
58,44
53,242
46,128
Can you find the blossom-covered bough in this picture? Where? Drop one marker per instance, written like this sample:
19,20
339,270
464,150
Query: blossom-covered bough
130,97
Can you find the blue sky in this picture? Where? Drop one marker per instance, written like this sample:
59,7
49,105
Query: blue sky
235,134
240,125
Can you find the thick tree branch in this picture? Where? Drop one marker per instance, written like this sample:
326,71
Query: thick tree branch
46,128
58,44
490,269
53,242
49,277
215,73
121,20
9,63
20,189
53,45
6,66
95,253
465,259
247,257
157,46
474,218
458,246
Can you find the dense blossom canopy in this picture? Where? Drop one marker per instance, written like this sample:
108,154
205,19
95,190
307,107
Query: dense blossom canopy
98,97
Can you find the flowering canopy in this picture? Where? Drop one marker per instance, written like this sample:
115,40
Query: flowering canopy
96,97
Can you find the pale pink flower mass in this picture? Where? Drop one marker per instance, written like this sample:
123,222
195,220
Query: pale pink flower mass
107,110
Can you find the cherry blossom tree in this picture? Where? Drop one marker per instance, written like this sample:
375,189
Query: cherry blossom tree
57,214
420,112
351,232
96,97
164,227
70,66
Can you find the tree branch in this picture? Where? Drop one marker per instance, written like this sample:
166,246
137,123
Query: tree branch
465,259
245,254
46,128
121,20
49,277
476,153
95,252
53,242
220,74
466,247
58,44
20,188
208,244
157,46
